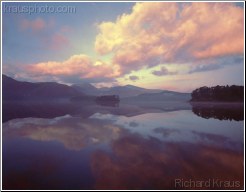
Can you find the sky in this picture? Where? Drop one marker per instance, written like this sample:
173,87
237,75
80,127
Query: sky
166,45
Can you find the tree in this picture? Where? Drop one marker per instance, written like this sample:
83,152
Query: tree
227,93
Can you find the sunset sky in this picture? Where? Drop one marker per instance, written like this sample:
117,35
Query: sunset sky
174,46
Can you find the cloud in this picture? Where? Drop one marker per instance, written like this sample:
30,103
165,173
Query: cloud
211,64
77,66
159,32
133,78
204,68
58,41
60,38
35,25
50,36
163,71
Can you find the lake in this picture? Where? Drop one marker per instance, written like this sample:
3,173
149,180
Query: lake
161,146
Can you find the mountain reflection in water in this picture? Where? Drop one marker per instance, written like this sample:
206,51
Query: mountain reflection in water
125,147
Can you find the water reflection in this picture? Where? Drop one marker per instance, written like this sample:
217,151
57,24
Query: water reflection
108,103
165,132
120,150
73,133
13,110
140,163
219,111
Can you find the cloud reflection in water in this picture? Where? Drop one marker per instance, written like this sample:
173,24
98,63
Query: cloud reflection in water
147,151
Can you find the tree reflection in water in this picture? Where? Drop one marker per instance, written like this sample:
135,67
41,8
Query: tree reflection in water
219,111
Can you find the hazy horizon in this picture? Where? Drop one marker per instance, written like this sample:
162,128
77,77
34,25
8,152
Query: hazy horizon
158,45
98,87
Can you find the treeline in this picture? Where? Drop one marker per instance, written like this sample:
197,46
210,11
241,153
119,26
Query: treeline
227,93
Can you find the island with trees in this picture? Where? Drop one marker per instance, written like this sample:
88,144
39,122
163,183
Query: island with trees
108,100
218,93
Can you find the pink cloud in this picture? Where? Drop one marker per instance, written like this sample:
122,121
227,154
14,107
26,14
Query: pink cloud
54,40
160,32
35,25
217,29
58,41
76,65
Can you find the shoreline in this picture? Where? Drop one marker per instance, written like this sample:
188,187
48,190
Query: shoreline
216,104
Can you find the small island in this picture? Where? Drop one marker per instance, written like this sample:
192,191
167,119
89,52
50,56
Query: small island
108,100
218,93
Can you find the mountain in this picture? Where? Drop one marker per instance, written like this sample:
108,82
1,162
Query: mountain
17,90
86,88
122,91
129,91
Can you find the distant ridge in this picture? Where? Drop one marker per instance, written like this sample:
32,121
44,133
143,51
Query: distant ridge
17,90
164,96
122,91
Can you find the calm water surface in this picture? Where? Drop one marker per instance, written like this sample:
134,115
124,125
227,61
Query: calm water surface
122,148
